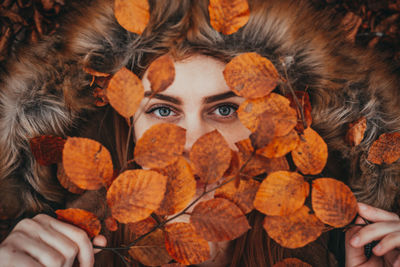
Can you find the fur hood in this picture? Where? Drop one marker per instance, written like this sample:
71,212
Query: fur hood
44,90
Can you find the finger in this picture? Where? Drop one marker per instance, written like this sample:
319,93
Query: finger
376,215
37,249
388,243
375,231
354,256
54,239
77,235
372,262
100,241
12,257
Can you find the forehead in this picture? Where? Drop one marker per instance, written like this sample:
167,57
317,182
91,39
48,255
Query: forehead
196,76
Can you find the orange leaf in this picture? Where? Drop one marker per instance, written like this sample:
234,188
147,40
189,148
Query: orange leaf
304,101
265,131
294,230
87,163
311,153
243,196
333,202
386,149
125,92
181,187
47,149
135,194
228,16
291,262
101,98
251,76
233,169
281,193
280,145
184,245
132,15
151,251
356,131
95,72
160,146
111,224
218,220
284,117
66,182
210,157
142,227
161,73
81,218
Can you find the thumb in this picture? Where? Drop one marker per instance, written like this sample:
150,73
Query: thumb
100,241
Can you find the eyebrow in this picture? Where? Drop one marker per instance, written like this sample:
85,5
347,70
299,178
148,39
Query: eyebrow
178,101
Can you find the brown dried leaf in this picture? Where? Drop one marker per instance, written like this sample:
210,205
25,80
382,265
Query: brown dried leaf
135,194
210,156
304,101
142,227
66,182
111,224
100,96
333,202
47,149
161,73
311,153
234,166
219,219
228,16
291,262
160,146
295,230
81,218
181,187
132,15
356,131
95,72
280,145
87,163
281,193
386,149
243,196
251,76
265,131
184,245
151,251
284,118
125,92
351,23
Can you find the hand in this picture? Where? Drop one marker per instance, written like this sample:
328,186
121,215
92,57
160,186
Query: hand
385,228
45,241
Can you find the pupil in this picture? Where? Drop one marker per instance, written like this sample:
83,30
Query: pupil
224,110
164,112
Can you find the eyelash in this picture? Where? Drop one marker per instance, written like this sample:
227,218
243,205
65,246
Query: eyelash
230,105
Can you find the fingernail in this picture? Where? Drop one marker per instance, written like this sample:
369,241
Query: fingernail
377,248
362,207
355,241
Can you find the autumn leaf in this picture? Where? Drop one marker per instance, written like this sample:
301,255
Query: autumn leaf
351,24
280,145
304,101
151,250
228,16
132,15
161,73
265,131
83,219
184,245
333,202
251,76
294,230
135,194
210,156
47,149
160,146
181,187
386,149
101,99
243,196
87,163
281,193
95,72
66,182
111,224
291,262
311,153
234,166
219,219
284,117
356,131
142,227
125,92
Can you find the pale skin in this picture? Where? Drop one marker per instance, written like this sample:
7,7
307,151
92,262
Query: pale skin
199,101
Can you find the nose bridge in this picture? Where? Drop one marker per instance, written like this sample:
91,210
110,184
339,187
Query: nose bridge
195,127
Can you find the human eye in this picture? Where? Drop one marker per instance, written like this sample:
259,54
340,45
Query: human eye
224,111
161,111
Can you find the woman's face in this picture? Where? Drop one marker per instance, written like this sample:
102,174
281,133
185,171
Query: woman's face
198,100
